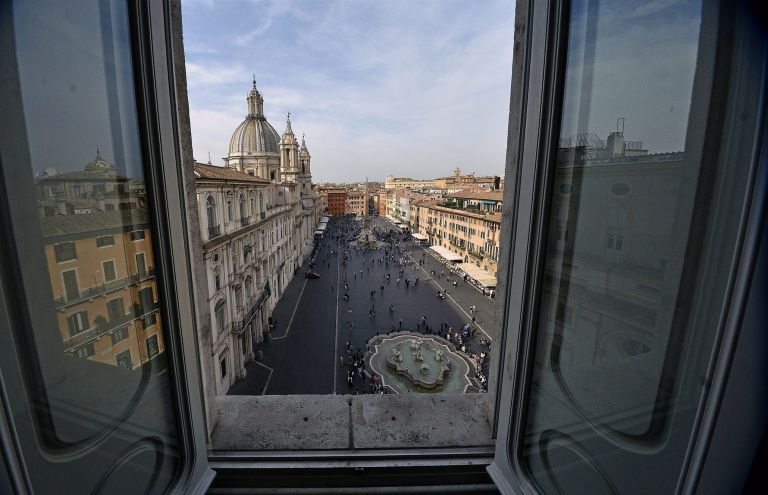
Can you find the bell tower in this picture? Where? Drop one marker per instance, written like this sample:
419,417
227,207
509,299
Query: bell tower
305,173
289,154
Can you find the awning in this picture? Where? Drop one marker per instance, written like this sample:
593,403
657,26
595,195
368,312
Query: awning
318,232
445,253
420,237
480,275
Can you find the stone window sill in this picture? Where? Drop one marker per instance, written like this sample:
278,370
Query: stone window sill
347,422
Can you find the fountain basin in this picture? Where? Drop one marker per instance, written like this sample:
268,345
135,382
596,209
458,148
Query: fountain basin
409,362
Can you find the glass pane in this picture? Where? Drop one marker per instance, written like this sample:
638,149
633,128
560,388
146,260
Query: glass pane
610,334
102,394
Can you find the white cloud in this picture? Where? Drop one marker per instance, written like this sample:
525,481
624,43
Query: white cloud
401,88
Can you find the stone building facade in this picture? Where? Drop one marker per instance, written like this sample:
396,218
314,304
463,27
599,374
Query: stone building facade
257,216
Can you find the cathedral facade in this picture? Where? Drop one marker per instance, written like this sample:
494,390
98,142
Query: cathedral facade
257,214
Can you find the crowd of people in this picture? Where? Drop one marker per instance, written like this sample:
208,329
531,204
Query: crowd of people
380,268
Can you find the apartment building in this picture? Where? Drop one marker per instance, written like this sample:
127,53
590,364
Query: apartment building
473,235
104,288
393,182
477,199
354,204
335,201
98,253
380,202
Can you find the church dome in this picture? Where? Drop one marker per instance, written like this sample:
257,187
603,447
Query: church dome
254,135
98,163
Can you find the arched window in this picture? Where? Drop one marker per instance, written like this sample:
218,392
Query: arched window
210,211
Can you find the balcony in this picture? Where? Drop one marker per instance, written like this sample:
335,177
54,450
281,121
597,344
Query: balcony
239,326
214,232
108,326
245,221
65,301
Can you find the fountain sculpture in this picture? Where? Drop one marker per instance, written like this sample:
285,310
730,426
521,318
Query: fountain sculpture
409,362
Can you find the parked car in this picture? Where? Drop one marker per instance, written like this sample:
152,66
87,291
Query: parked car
311,275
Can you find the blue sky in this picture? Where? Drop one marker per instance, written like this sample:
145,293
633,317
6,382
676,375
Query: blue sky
408,88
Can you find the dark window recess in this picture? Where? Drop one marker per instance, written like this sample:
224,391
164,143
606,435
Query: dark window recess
149,320
78,322
137,235
119,335
85,351
105,240
124,359
65,251
109,271
115,309
147,301
152,347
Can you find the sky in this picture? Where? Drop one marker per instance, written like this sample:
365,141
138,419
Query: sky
404,88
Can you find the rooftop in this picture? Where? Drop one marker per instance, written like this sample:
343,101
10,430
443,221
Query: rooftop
213,172
480,194
92,223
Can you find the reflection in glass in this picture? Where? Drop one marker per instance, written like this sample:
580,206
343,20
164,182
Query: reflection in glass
606,348
98,378
99,250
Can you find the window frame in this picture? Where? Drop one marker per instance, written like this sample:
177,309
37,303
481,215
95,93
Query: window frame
538,76
156,66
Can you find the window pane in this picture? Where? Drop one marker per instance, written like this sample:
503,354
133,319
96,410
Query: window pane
610,337
95,391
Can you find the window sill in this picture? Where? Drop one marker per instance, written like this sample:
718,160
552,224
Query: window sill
346,422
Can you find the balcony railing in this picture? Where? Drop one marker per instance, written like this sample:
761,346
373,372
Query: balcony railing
108,327
214,232
68,300
239,326
245,221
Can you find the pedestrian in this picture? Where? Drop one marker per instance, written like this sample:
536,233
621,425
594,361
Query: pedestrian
401,324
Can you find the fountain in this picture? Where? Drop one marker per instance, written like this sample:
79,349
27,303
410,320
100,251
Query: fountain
413,363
